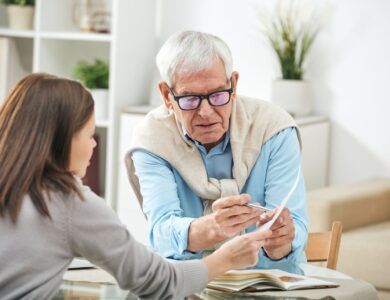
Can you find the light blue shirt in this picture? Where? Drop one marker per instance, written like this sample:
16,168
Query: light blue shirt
170,205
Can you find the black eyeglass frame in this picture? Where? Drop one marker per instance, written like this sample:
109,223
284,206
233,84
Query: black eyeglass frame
202,97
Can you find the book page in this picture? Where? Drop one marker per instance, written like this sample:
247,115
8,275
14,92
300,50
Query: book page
271,279
305,283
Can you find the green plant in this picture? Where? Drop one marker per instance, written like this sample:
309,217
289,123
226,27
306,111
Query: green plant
93,76
291,34
18,2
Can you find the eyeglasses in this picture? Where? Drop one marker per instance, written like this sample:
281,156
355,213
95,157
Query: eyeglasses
191,102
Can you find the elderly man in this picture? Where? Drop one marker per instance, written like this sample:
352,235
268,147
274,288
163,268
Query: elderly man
197,160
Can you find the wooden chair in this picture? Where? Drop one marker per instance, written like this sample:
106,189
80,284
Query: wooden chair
324,246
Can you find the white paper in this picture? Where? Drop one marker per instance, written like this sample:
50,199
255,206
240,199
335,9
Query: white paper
268,225
80,263
89,275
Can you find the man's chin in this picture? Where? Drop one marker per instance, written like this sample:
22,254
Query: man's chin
211,140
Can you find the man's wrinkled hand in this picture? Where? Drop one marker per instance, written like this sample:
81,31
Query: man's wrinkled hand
231,215
278,244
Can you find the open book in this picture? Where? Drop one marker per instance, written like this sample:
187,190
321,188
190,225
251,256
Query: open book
261,280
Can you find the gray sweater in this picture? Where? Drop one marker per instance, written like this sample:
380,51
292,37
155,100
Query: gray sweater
35,253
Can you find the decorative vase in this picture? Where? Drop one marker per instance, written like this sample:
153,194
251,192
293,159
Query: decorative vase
100,97
20,17
92,15
293,95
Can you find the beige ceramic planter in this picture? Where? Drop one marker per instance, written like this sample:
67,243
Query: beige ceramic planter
293,95
100,96
20,17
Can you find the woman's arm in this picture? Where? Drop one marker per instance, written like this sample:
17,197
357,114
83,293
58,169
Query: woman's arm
96,233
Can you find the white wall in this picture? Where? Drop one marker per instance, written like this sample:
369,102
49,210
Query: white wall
351,74
235,22
349,67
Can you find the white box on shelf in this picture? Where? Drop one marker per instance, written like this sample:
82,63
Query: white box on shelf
315,134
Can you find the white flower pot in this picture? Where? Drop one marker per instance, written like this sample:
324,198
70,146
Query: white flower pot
20,17
100,97
293,95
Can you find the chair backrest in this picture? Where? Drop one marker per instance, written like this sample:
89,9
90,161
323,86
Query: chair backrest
324,246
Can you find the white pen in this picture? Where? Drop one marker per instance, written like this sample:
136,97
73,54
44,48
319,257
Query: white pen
256,205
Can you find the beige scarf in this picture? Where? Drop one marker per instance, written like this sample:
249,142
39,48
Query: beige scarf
252,123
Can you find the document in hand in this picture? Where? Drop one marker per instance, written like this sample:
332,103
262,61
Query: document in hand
261,280
268,225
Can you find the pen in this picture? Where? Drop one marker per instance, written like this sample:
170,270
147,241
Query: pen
256,205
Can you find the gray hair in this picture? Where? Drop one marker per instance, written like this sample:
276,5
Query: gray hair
188,52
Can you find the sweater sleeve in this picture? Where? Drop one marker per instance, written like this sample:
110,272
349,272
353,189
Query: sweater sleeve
96,233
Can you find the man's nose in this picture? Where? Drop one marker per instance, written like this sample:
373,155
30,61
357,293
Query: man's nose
205,109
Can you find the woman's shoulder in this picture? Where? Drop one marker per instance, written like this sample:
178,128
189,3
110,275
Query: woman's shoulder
73,200
88,201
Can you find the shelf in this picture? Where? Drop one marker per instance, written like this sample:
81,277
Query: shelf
308,120
76,36
138,109
57,35
17,33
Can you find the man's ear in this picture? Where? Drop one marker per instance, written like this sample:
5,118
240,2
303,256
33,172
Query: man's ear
235,76
164,91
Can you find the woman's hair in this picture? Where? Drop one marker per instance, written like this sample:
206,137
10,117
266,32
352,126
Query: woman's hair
188,52
37,123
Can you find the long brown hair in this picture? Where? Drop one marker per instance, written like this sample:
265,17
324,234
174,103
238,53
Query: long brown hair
37,123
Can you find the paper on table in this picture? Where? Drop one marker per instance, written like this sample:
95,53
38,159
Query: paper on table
80,263
89,275
268,225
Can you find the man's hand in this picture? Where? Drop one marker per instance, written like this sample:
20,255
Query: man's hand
230,216
283,231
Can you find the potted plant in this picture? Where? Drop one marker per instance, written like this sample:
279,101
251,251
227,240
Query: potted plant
20,13
291,33
95,76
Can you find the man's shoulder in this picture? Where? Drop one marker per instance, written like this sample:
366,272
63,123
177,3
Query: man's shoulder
267,111
160,113
265,118
158,119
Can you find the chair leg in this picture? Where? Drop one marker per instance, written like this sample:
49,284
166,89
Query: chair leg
334,245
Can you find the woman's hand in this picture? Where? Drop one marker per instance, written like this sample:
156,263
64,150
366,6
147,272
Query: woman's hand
238,253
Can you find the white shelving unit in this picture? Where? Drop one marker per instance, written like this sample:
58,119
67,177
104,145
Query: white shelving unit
55,45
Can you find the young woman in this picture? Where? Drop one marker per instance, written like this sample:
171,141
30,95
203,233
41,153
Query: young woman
47,217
